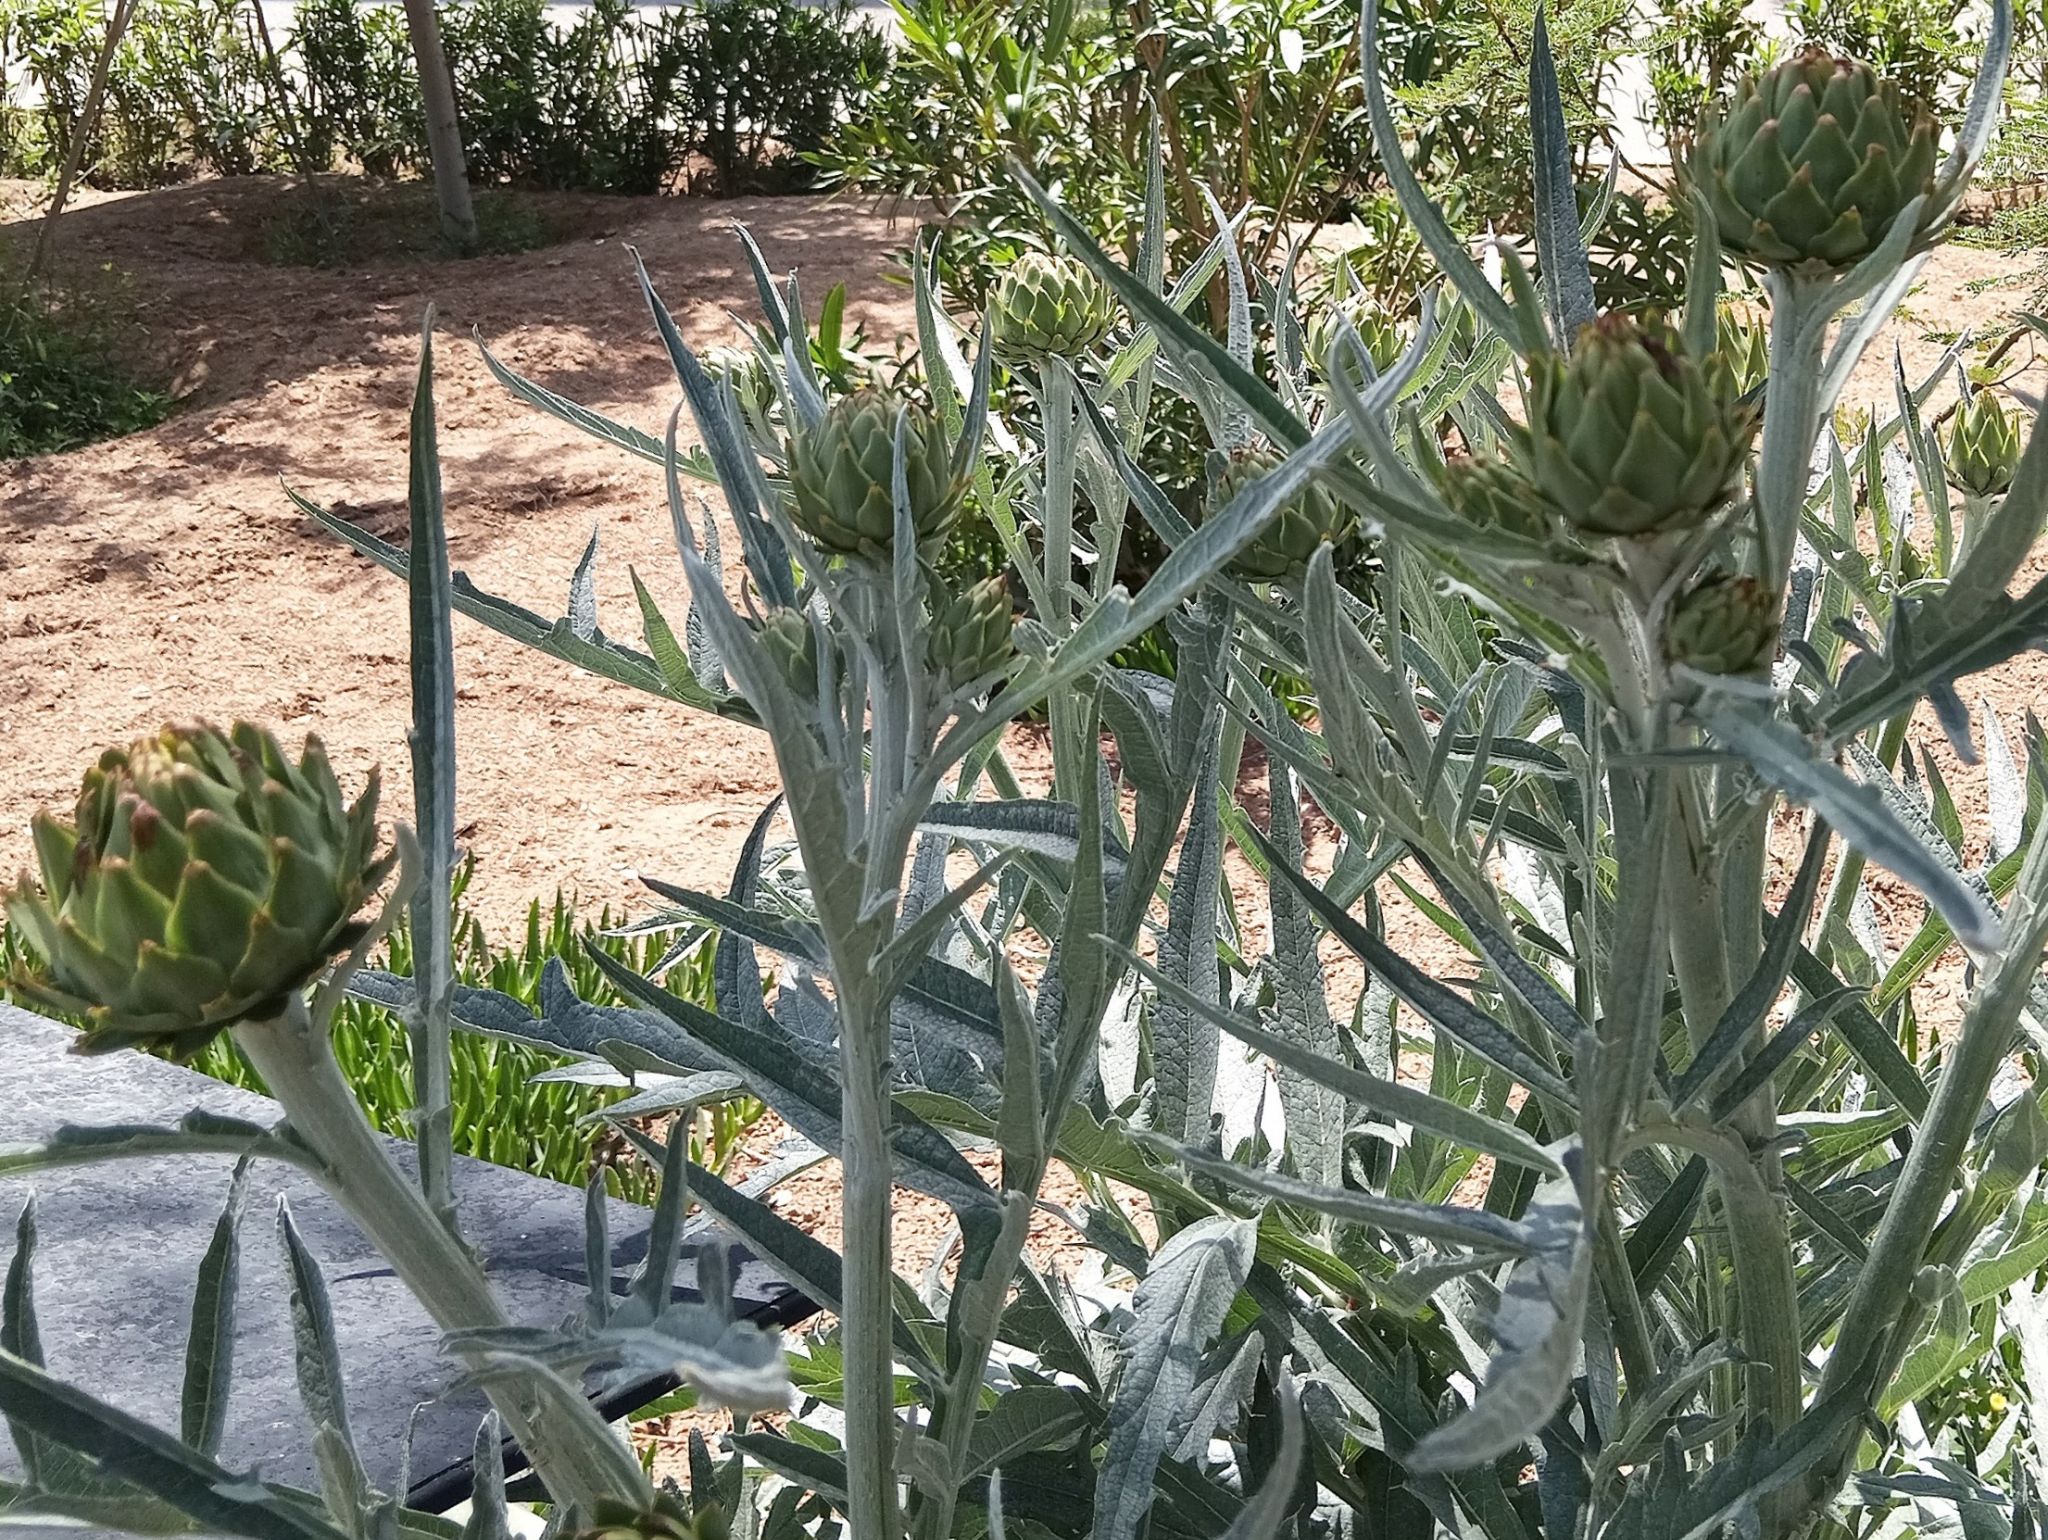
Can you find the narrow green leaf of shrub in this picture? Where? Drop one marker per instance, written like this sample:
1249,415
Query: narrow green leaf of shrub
210,1343
1265,1516
1658,1236
1784,760
812,1469
618,434
1177,1307
1771,1057
1183,1039
1443,1008
1529,983
655,1279
1029,1418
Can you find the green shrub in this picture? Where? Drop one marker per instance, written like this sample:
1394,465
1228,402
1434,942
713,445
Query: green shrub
359,84
345,222
67,375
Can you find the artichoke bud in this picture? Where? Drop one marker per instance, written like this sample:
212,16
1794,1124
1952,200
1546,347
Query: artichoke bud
204,880
664,1519
842,476
1048,306
1629,435
1281,551
1814,161
1493,493
1723,625
1983,448
792,646
970,634
1384,337
744,370
1743,348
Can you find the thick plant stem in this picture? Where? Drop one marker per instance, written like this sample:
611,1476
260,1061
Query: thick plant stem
865,1206
298,1066
1056,398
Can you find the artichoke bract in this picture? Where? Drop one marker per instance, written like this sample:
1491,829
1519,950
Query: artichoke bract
206,879
1743,348
1311,518
1723,625
1048,306
665,1519
842,476
1814,162
971,634
1983,446
1630,436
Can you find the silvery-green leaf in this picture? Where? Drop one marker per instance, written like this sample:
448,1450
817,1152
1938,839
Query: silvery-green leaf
1176,1309
597,425
1265,1516
1220,1393
198,1133
51,1468
210,1342
1536,1334
488,1517
1434,1114
317,1361
2004,787
125,1448
1183,1040
1313,1109
1041,826
1560,255
1443,1222
1783,758
1028,1418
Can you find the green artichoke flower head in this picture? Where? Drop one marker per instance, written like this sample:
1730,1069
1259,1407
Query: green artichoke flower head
744,369
1312,517
1384,336
1814,161
1723,625
665,1519
1491,491
792,646
206,879
1048,306
842,476
1983,447
1630,436
1742,346
970,634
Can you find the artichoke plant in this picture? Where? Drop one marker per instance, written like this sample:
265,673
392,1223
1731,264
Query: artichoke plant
1309,519
1983,446
842,474
1048,306
1723,625
205,877
1743,348
1630,436
970,634
745,371
665,1519
1814,162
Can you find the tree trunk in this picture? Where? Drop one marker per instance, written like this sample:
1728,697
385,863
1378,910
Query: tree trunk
81,135
444,134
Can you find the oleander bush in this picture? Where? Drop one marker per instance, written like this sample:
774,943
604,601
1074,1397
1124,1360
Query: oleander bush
1580,1077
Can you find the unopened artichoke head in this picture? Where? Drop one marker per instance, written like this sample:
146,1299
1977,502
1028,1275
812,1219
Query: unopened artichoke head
1308,519
206,878
971,633
1983,446
1630,436
664,1518
1491,492
1048,306
1815,160
1382,335
842,476
1724,625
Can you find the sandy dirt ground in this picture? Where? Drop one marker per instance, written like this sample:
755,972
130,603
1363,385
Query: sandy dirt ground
166,575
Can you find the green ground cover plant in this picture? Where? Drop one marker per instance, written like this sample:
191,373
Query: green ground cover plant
1645,1198
67,364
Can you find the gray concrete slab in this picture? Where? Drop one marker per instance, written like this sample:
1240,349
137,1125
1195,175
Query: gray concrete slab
121,1244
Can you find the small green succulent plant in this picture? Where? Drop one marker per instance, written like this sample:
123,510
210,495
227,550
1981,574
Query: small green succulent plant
203,879
842,475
